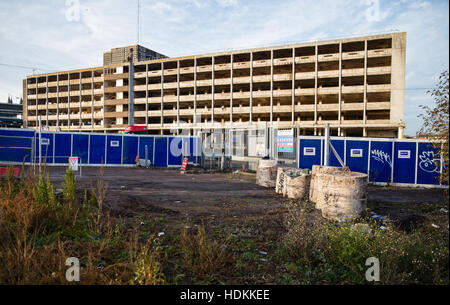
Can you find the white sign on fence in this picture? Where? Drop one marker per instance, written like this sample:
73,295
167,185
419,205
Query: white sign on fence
356,153
404,154
73,163
309,151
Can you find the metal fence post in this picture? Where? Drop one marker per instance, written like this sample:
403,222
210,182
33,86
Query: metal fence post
327,145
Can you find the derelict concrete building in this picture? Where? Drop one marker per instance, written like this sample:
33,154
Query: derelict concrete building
355,84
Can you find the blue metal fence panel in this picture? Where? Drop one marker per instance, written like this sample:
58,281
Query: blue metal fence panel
80,147
309,153
113,149
63,147
146,141
160,152
16,145
17,132
97,149
175,151
380,161
429,164
47,148
339,146
407,162
196,149
404,162
189,149
130,149
357,154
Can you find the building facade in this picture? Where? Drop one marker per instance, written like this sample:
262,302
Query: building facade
10,115
356,85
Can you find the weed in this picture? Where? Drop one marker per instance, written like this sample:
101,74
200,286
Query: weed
201,256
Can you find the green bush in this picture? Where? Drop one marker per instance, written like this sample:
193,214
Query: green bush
327,252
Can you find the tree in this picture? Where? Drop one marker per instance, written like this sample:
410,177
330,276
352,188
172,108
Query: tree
436,119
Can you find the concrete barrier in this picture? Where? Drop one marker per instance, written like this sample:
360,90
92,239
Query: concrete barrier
343,196
317,183
266,173
281,172
296,185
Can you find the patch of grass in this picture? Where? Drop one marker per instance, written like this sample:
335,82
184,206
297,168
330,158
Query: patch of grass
201,257
40,230
327,252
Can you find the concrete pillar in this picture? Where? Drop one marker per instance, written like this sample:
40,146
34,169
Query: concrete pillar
400,132
365,83
68,101
46,101
146,95
162,94
251,88
92,99
195,90
315,81
80,121
293,85
271,85
397,110
178,92
340,83
57,98
231,90
212,90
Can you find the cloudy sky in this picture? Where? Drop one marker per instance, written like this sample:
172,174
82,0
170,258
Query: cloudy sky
55,35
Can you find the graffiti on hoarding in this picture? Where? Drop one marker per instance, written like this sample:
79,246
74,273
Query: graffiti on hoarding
429,161
381,156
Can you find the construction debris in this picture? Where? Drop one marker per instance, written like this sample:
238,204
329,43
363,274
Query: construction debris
296,184
317,182
266,173
343,196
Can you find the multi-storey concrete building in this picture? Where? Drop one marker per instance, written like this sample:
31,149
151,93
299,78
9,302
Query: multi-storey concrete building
355,84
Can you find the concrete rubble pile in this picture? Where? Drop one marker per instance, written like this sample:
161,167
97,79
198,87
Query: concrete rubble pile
317,182
342,196
282,170
296,184
266,173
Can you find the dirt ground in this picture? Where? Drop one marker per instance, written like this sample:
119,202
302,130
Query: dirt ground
222,196
164,200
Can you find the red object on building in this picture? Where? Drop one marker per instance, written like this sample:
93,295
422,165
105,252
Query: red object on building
16,171
136,129
185,163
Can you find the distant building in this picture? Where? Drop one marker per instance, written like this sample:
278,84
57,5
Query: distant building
10,115
357,85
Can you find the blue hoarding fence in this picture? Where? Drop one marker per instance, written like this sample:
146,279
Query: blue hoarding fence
384,160
18,145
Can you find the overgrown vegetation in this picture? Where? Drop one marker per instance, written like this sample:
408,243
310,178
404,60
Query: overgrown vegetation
436,120
202,257
327,252
39,230
40,227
